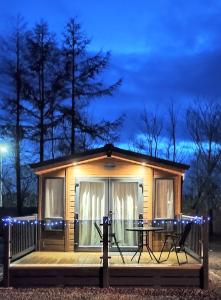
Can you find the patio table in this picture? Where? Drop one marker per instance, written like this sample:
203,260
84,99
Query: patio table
141,244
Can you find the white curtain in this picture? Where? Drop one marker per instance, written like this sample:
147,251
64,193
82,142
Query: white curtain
91,209
54,198
164,199
124,210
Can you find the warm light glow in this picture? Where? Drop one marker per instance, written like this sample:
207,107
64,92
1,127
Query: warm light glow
148,165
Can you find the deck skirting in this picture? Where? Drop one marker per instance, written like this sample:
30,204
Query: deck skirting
119,276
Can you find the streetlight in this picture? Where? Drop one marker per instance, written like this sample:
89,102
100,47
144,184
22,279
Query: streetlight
3,150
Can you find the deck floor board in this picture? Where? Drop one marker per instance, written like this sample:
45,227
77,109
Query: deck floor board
93,258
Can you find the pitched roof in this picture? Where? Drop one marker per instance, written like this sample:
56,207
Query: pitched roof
108,150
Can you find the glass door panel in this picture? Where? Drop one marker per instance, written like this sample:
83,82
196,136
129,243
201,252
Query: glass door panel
124,207
91,210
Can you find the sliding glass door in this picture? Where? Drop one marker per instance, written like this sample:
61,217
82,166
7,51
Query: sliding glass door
125,207
91,209
121,199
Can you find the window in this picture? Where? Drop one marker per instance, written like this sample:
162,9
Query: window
54,203
164,199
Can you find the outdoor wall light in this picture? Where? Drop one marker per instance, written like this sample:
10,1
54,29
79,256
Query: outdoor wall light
109,165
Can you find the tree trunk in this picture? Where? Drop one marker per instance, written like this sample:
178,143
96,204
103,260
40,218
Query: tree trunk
73,109
52,130
17,133
41,145
18,169
211,222
41,85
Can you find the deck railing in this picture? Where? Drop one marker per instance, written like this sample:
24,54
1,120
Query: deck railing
197,242
23,236
195,238
20,238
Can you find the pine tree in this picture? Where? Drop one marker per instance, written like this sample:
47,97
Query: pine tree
45,85
83,83
13,90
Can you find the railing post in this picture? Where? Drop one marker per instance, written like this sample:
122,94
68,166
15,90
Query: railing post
7,254
76,231
140,224
39,233
105,282
36,231
205,270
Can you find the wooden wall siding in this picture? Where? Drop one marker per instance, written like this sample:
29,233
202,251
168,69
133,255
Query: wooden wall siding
98,169
179,195
52,240
39,210
70,196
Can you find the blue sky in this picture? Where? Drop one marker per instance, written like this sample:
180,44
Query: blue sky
162,49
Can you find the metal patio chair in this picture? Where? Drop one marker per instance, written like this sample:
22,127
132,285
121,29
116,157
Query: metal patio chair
178,242
112,238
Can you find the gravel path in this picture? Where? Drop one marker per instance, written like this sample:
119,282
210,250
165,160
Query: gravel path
112,294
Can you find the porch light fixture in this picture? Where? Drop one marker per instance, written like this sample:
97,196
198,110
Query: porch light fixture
109,165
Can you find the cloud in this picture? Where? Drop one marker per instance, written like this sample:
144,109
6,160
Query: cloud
151,81
162,49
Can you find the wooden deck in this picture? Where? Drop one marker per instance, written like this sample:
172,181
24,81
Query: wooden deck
93,258
85,269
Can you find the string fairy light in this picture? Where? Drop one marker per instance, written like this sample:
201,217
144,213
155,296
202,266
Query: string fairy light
107,220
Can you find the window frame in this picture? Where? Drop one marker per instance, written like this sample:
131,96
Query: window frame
60,226
154,197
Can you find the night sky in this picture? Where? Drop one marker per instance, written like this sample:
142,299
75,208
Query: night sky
163,50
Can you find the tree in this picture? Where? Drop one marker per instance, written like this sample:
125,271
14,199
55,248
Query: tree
83,83
45,85
13,89
151,129
172,131
203,123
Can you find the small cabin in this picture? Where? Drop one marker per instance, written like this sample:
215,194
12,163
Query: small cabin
77,190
